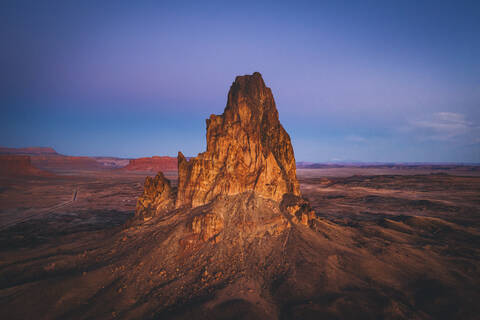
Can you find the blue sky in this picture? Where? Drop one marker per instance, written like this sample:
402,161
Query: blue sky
353,80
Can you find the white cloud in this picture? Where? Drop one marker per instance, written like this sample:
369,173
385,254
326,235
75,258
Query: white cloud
443,126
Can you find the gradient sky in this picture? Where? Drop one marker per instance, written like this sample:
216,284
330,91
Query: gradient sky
353,80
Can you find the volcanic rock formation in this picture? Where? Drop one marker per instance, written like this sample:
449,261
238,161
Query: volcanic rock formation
157,196
236,241
247,150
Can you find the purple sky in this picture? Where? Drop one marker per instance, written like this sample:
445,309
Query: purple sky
353,80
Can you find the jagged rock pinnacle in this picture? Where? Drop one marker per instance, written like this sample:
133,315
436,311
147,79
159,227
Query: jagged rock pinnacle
157,196
247,150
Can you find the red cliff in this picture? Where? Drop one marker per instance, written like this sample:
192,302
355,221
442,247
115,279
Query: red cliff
19,165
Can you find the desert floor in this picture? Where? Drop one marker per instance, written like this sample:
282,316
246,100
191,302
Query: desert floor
428,218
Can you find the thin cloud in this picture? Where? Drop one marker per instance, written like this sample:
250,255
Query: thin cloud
443,126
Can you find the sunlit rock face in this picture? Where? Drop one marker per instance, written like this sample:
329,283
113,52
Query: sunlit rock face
247,150
157,196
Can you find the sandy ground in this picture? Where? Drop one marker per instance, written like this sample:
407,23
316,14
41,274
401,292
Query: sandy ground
37,208
365,195
388,245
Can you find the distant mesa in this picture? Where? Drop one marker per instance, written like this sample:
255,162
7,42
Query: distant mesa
20,166
63,163
152,164
29,151
48,159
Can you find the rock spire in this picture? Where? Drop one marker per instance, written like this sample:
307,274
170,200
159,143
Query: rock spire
247,150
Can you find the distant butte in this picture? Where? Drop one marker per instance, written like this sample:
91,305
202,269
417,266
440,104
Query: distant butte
47,158
20,166
29,151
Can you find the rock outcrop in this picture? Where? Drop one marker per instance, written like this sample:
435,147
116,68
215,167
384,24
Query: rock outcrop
247,149
157,196
299,210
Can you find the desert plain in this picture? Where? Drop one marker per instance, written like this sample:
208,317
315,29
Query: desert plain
399,242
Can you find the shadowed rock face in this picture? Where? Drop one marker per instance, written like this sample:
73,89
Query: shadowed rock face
19,165
247,150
